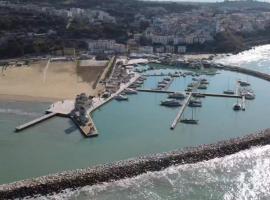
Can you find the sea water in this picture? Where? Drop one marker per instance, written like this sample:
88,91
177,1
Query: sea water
139,127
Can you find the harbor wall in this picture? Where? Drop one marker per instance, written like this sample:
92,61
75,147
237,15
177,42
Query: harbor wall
130,168
250,72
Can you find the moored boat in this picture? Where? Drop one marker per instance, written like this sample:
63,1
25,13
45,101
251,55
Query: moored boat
177,95
237,107
171,103
121,97
228,92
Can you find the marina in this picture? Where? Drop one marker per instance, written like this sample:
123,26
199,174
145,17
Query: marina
122,125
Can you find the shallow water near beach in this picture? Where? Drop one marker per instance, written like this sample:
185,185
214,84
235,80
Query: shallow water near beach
140,127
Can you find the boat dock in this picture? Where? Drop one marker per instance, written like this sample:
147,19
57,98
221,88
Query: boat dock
35,121
181,111
204,94
155,91
219,95
168,84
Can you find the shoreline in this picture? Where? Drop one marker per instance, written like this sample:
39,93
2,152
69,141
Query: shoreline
129,168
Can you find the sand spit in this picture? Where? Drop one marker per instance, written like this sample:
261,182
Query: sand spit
130,168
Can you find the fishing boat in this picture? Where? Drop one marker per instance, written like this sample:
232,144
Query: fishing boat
171,103
121,97
177,95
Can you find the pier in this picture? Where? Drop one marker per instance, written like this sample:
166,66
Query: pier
181,111
155,91
35,121
205,94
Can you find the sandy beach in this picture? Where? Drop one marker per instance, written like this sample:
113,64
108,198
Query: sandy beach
48,82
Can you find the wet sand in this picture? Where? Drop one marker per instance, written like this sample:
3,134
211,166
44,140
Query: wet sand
42,82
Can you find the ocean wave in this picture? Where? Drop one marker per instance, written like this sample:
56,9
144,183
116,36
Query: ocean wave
258,54
17,112
244,175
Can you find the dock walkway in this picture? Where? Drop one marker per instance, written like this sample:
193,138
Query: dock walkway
35,121
205,94
181,111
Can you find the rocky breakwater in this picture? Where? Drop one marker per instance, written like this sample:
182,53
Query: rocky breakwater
244,71
130,168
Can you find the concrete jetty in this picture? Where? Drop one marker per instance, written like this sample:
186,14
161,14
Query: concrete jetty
181,111
35,121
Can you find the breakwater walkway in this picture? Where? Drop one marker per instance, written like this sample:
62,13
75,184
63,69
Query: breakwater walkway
130,168
244,71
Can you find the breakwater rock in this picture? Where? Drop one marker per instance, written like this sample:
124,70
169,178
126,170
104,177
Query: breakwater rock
244,71
130,168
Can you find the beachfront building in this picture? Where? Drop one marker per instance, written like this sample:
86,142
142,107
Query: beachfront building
106,46
181,49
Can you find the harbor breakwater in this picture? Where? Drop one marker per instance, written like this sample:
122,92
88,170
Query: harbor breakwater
250,72
130,168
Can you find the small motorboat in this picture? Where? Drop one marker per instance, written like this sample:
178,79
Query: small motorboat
202,87
237,107
171,103
177,95
243,83
249,95
121,97
228,92
130,91
195,103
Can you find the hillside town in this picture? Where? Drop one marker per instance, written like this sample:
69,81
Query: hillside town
201,28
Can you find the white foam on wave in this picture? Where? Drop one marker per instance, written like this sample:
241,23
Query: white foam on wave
17,112
258,54
244,175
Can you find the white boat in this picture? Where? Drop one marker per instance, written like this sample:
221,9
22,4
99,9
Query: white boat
130,91
121,97
177,95
171,103
249,95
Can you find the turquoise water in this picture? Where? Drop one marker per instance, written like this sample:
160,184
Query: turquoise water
127,129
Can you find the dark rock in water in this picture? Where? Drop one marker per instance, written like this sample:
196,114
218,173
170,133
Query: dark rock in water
129,168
